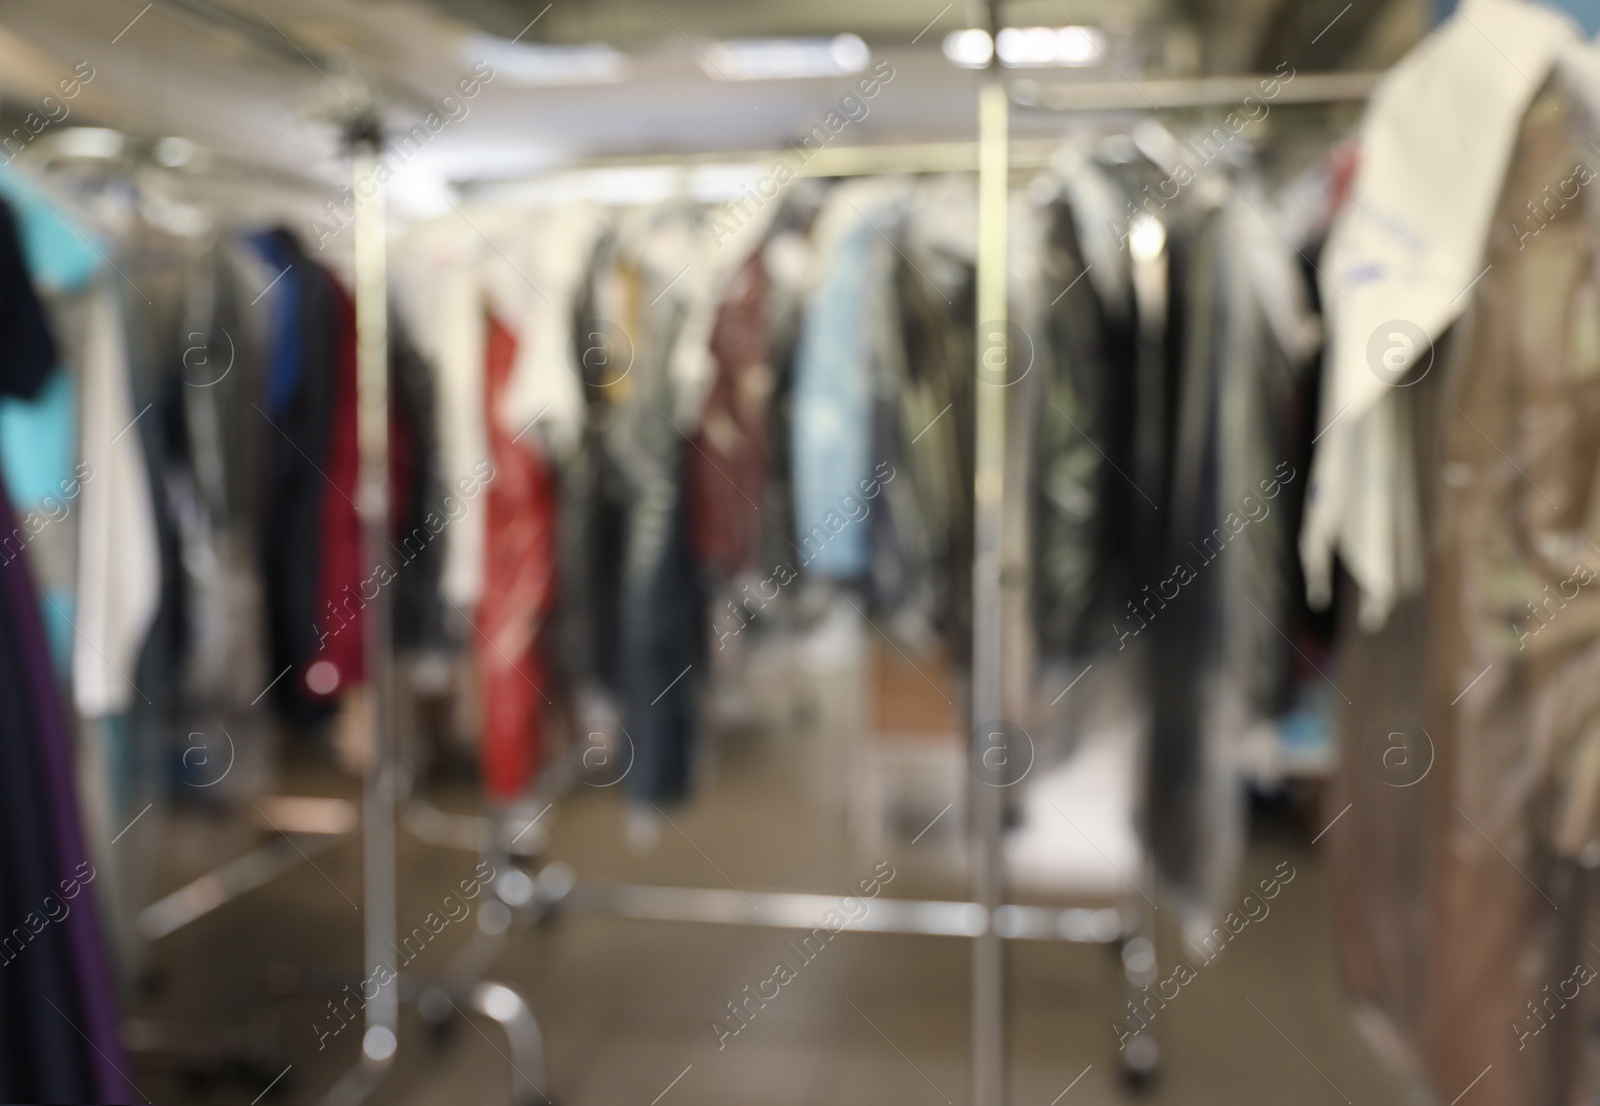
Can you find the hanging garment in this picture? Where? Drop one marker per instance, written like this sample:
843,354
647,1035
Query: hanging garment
1084,545
30,348
197,366
119,565
633,608
1464,868
1406,249
1189,818
1216,609
71,1052
592,528
519,588
317,589
923,399
158,266
727,470
662,628
422,499
1162,443
56,988
846,330
342,589
298,404
345,583
218,442
1266,339
787,258
458,353
39,456
445,272
547,383
195,376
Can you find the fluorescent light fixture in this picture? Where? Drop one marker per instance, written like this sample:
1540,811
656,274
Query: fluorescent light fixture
1038,47
89,142
529,64
785,59
1026,47
970,49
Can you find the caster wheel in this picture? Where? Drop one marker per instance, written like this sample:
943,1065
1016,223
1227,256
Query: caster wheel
1140,1064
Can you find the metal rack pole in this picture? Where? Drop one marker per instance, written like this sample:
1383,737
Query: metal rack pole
384,780
381,1039
372,504
988,955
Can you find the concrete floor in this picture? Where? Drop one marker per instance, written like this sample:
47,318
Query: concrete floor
627,1007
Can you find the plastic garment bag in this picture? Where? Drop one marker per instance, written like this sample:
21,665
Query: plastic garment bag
1470,771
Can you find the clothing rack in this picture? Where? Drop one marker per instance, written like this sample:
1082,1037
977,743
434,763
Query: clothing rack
384,780
126,151
987,919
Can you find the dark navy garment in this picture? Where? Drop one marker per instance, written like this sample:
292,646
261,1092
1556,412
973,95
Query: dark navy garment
661,631
298,400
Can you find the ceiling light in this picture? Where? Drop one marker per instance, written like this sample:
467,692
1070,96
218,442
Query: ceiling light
970,49
1039,47
782,59
530,64
89,142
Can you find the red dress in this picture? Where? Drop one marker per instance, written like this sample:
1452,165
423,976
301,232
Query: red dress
518,585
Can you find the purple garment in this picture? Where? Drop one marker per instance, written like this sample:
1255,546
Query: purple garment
58,790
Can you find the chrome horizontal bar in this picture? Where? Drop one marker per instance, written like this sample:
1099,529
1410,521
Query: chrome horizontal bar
803,910
1199,92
